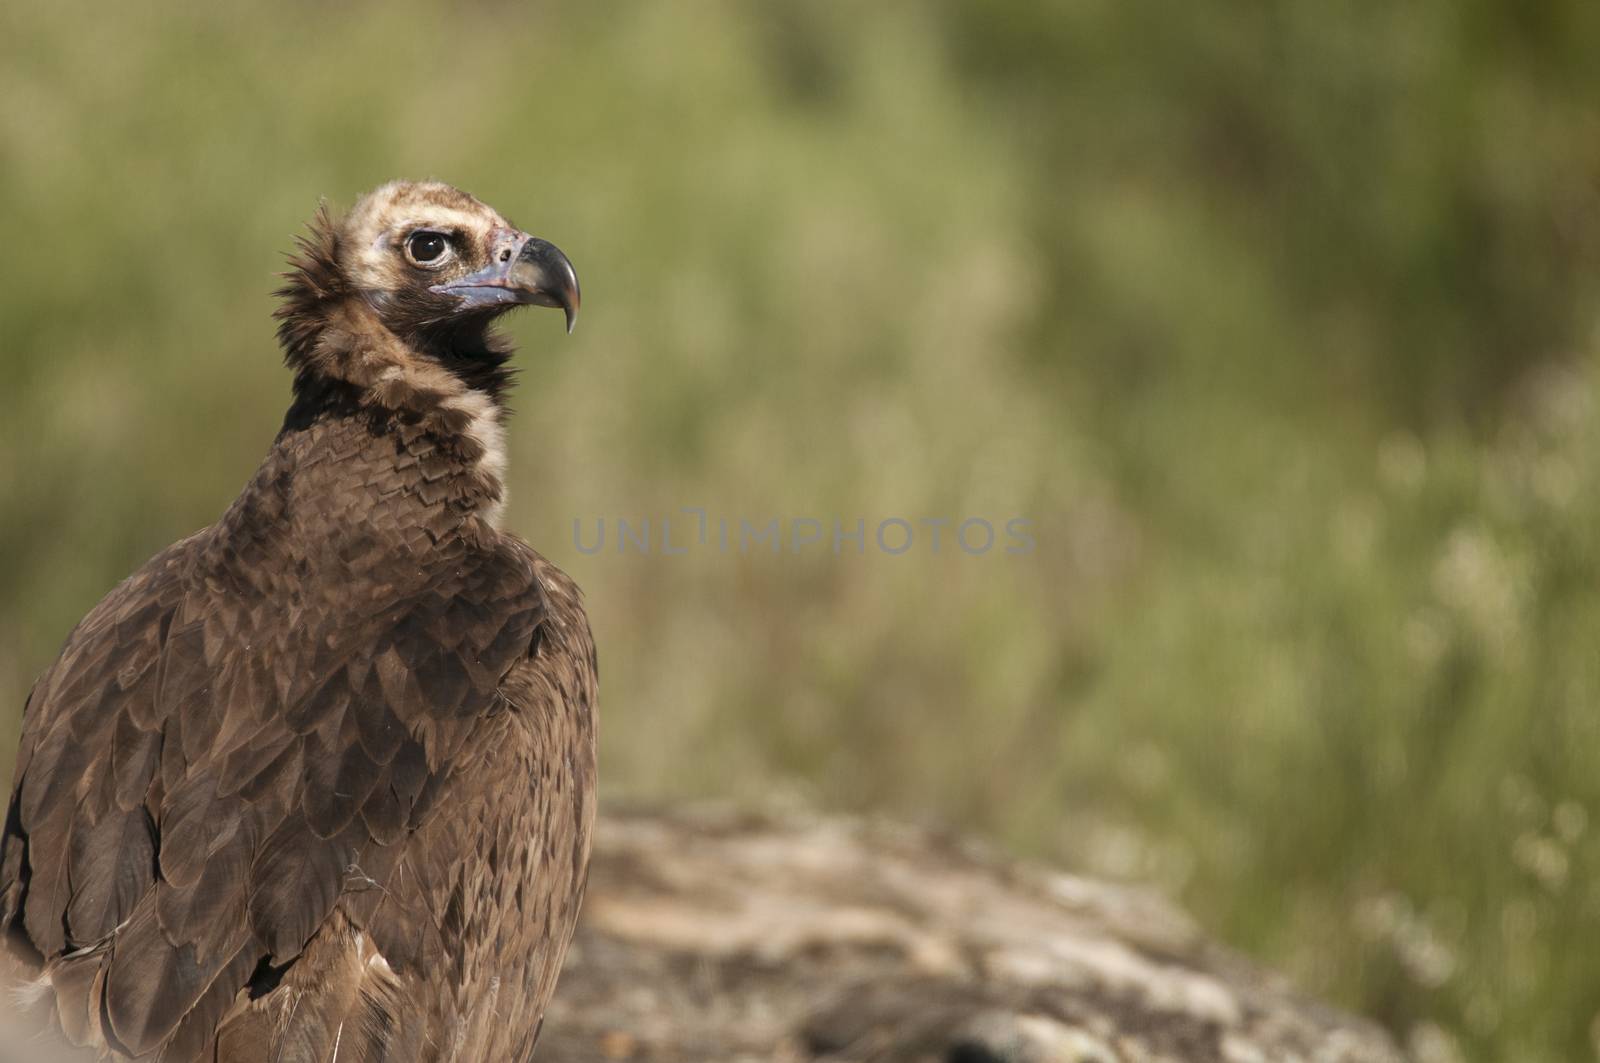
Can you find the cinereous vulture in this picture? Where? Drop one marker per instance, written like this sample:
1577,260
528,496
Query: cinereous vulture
317,782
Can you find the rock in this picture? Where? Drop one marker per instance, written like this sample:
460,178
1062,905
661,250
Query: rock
711,937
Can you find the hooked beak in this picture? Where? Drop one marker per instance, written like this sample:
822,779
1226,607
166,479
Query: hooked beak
525,271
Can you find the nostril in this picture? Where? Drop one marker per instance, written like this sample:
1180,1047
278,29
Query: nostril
505,255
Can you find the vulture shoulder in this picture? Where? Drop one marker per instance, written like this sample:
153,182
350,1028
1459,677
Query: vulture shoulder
214,770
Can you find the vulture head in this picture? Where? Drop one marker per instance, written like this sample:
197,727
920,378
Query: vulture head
407,285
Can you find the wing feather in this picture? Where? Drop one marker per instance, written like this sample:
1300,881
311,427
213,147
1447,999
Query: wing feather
201,781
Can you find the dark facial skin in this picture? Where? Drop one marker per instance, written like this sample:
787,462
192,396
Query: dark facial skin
453,283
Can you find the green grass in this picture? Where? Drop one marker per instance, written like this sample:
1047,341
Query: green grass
1281,324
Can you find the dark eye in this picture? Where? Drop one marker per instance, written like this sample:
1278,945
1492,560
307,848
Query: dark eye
423,246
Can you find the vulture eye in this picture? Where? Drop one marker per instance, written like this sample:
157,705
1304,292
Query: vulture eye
427,248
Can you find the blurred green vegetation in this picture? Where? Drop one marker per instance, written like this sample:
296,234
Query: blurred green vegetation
1280,321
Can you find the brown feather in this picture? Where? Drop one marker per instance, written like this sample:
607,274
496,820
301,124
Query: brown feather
302,780
110,866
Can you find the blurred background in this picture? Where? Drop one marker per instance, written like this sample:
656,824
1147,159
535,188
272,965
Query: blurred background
1280,322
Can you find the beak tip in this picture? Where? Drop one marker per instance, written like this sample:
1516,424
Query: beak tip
546,275
571,299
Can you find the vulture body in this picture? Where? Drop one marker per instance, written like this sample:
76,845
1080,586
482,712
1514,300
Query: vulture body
317,783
